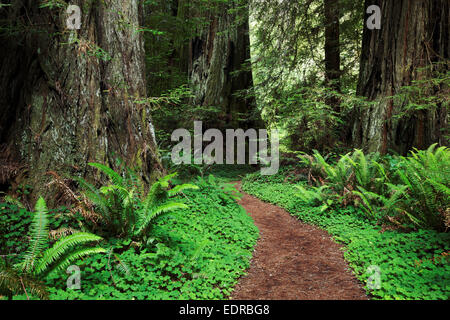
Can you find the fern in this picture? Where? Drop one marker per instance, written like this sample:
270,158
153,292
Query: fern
122,266
12,281
39,261
427,176
60,248
74,256
317,196
38,236
413,189
146,218
96,197
375,204
125,208
180,188
337,176
368,208
113,176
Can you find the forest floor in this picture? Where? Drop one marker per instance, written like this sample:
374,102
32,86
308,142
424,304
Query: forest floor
293,261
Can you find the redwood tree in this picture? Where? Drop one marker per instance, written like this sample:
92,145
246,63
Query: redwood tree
217,58
69,97
412,45
332,45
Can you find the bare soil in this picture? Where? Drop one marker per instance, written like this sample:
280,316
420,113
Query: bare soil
294,261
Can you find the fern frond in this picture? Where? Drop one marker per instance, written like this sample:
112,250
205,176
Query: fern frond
123,193
135,181
74,256
13,282
114,176
61,247
148,218
439,187
368,209
314,196
179,188
164,181
94,196
39,235
391,203
9,281
122,266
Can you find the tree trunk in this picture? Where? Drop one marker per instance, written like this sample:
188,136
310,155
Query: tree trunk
332,44
69,96
216,66
332,60
414,36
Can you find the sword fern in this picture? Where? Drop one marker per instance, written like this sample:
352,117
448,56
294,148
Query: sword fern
125,207
38,261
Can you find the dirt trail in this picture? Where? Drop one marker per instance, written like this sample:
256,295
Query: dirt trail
294,261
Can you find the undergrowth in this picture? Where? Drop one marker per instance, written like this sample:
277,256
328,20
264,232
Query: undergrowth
197,252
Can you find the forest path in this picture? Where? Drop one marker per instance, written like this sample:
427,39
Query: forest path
293,261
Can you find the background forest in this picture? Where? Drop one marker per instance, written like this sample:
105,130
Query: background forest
86,175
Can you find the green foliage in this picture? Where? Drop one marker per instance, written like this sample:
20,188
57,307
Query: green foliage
315,196
171,29
305,117
369,173
38,260
288,65
14,223
185,170
51,4
125,209
337,175
290,51
374,204
199,252
38,236
176,104
61,248
412,189
156,203
90,48
423,93
226,190
13,282
414,265
426,174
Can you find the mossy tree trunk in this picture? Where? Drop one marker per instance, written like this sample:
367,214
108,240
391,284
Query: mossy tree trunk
217,64
412,44
69,97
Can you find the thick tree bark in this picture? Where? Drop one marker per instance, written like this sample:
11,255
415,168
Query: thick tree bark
332,44
414,35
216,61
69,96
332,58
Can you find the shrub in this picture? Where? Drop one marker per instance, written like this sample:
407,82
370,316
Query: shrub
124,207
413,189
426,175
